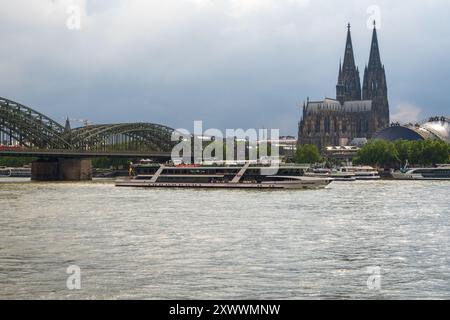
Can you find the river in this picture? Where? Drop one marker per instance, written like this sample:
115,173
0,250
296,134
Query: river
359,240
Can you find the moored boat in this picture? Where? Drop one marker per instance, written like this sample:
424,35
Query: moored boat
15,172
332,174
439,173
362,173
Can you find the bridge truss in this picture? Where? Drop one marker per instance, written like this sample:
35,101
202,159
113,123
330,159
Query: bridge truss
24,126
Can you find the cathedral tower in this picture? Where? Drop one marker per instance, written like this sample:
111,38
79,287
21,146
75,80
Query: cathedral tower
349,85
375,86
355,113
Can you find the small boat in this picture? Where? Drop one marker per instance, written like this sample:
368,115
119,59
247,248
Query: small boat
15,172
332,174
439,173
4,172
220,177
362,173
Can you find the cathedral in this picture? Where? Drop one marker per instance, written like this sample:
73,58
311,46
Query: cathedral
355,113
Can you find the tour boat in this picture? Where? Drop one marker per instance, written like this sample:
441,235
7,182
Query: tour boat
225,177
439,173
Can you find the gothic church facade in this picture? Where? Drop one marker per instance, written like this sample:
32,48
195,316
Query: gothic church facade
355,113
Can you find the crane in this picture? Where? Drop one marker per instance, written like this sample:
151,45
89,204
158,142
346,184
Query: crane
83,121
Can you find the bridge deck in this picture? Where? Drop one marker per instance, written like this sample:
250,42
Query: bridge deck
84,154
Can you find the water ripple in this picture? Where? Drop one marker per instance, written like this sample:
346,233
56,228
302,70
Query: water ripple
175,244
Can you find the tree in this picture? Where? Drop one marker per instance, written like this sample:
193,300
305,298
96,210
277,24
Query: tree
307,154
403,150
378,153
106,163
15,161
434,152
416,152
383,153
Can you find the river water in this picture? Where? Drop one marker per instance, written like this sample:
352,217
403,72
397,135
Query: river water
361,240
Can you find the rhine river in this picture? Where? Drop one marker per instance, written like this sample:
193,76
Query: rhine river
225,244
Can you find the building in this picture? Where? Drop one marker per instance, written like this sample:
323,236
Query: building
343,154
355,112
436,128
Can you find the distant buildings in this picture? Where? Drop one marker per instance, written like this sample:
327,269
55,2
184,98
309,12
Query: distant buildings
355,113
343,154
285,144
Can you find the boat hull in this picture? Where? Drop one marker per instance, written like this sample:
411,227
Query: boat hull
334,177
367,177
298,185
402,176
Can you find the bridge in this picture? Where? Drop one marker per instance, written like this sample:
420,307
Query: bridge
64,153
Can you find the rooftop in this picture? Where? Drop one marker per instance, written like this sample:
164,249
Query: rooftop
334,105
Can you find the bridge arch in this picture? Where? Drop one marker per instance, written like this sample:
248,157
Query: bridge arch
29,127
122,136
33,129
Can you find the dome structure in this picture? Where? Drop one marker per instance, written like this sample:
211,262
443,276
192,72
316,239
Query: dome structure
437,128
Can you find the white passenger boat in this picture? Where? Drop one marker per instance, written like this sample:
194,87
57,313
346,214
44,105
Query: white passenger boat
362,173
225,177
332,174
15,172
439,173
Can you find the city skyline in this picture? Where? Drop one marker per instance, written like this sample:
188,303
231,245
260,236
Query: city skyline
228,64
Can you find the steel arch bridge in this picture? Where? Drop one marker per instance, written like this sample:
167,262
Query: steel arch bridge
27,127
121,137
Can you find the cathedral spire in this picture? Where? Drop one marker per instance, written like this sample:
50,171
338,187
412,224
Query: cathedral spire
375,86
349,85
374,59
67,126
349,57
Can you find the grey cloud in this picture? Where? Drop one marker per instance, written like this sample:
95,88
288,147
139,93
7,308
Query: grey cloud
229,63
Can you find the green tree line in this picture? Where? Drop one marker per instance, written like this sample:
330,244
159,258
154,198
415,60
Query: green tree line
15,161
307,154
382,153
106,163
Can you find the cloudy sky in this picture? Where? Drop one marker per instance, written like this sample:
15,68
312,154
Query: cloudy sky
231,63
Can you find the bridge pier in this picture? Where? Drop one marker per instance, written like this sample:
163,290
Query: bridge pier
61,169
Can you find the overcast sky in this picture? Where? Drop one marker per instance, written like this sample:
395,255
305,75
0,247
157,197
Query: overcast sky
231,63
